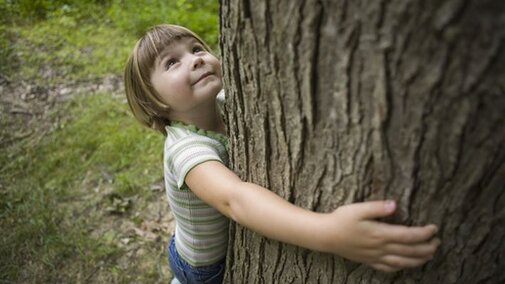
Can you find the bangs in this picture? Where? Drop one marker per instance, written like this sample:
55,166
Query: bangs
157,39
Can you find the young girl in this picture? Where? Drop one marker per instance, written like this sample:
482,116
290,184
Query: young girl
172,81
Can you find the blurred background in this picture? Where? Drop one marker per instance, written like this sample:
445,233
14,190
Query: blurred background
81,190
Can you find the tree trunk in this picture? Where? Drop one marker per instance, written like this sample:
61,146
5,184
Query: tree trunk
334,102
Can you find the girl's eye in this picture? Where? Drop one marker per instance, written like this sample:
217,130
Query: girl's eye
197,49
170,63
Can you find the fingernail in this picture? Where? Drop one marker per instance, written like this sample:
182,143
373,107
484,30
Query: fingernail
390,205
435,230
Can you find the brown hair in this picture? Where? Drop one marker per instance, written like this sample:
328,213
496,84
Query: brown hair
144,101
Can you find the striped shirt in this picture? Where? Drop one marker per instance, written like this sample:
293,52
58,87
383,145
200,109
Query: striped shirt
201,231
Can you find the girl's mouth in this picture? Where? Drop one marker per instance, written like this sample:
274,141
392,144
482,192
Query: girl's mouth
204,75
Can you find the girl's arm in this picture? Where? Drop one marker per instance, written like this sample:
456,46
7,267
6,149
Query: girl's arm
350,231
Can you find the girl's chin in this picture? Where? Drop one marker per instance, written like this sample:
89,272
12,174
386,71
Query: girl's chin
210,82
214,87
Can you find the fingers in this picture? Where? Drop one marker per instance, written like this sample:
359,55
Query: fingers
399,256
400,262
374,209
407,235
384,267
423,250
393,263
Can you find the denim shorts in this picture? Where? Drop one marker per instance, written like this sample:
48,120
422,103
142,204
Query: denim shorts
185,273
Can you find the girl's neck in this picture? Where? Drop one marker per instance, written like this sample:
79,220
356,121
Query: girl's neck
214,123
208,118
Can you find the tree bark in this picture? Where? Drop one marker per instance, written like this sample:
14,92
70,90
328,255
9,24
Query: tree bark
335,102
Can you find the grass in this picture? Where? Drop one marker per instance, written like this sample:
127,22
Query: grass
71,194
72,52
78,40
43,186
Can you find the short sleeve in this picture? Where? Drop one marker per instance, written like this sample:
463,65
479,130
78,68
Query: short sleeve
189,152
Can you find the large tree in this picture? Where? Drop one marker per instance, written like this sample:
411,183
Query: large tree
332,102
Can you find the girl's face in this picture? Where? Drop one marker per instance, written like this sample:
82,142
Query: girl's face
186,76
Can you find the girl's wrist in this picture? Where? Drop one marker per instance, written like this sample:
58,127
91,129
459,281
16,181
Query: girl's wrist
323,233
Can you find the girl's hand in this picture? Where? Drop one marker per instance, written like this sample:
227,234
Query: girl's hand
354,234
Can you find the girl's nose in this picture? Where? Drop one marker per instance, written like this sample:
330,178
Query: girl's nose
197,62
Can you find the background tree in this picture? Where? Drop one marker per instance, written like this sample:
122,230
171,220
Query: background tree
333,102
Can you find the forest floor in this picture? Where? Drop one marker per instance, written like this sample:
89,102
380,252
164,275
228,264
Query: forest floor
81,182
134,228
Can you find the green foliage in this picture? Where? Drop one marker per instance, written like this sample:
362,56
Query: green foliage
67,50
31,11
102,135
102,140
6,50
35,9
57,41
137,16
74,40
45,222
89,39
